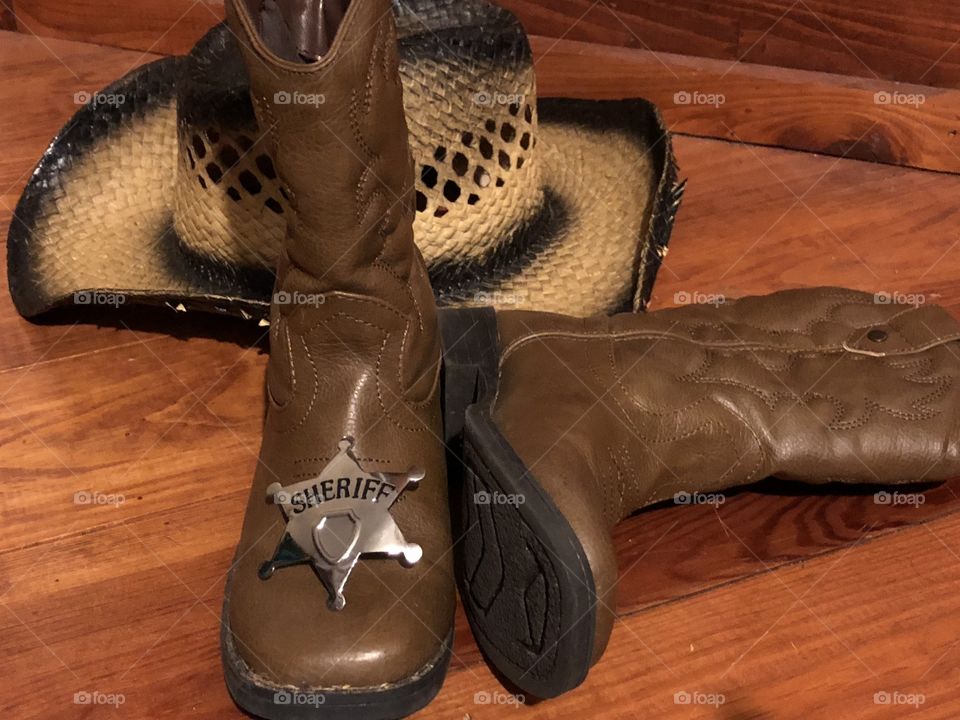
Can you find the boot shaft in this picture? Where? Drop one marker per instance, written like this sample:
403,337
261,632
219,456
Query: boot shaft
326,88
810,385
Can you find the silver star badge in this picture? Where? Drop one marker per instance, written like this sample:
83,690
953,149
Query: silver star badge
336,517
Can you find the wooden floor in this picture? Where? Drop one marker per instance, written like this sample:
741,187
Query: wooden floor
782,603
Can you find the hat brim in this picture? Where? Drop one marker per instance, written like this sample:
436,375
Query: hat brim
608,204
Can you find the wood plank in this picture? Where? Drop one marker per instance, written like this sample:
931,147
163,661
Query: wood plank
158,26
818,112
759,219
817,639
693,549
104,437
690,27
910,125
875,39
133,609
871,39
8,20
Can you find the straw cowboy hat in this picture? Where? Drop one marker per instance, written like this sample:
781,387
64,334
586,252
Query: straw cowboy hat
161,188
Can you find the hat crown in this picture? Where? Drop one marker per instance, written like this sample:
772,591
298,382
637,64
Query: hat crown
466,66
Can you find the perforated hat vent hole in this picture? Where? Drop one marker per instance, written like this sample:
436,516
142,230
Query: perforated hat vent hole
460,164
514,109
481,177
429,176
486,149
451,191
233,193
421,201
215,173
441,154
228,157
274,205
212,135
250,183
265,166
508,132
468,139
198,147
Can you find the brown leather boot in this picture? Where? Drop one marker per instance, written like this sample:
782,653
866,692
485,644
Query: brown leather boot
575,424
340,602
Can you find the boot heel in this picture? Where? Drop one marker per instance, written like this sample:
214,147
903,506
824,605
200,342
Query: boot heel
470,351
525,580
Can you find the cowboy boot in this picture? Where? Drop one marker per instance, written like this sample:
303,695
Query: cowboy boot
575,424
340,601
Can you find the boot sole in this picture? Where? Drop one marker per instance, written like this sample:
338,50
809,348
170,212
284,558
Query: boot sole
257,696
524,578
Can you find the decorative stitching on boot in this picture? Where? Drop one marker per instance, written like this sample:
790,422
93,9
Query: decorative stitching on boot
316,382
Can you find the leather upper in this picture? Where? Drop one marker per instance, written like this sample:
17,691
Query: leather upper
354,353
818,385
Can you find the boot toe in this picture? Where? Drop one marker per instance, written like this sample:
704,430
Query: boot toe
388,632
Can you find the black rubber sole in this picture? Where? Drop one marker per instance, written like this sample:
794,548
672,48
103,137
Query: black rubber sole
524,578
255,695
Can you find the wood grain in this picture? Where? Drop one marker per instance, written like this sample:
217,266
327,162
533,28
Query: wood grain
817,639
908,125
876,39
8,20
158,26
758,219
835,114
125,598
